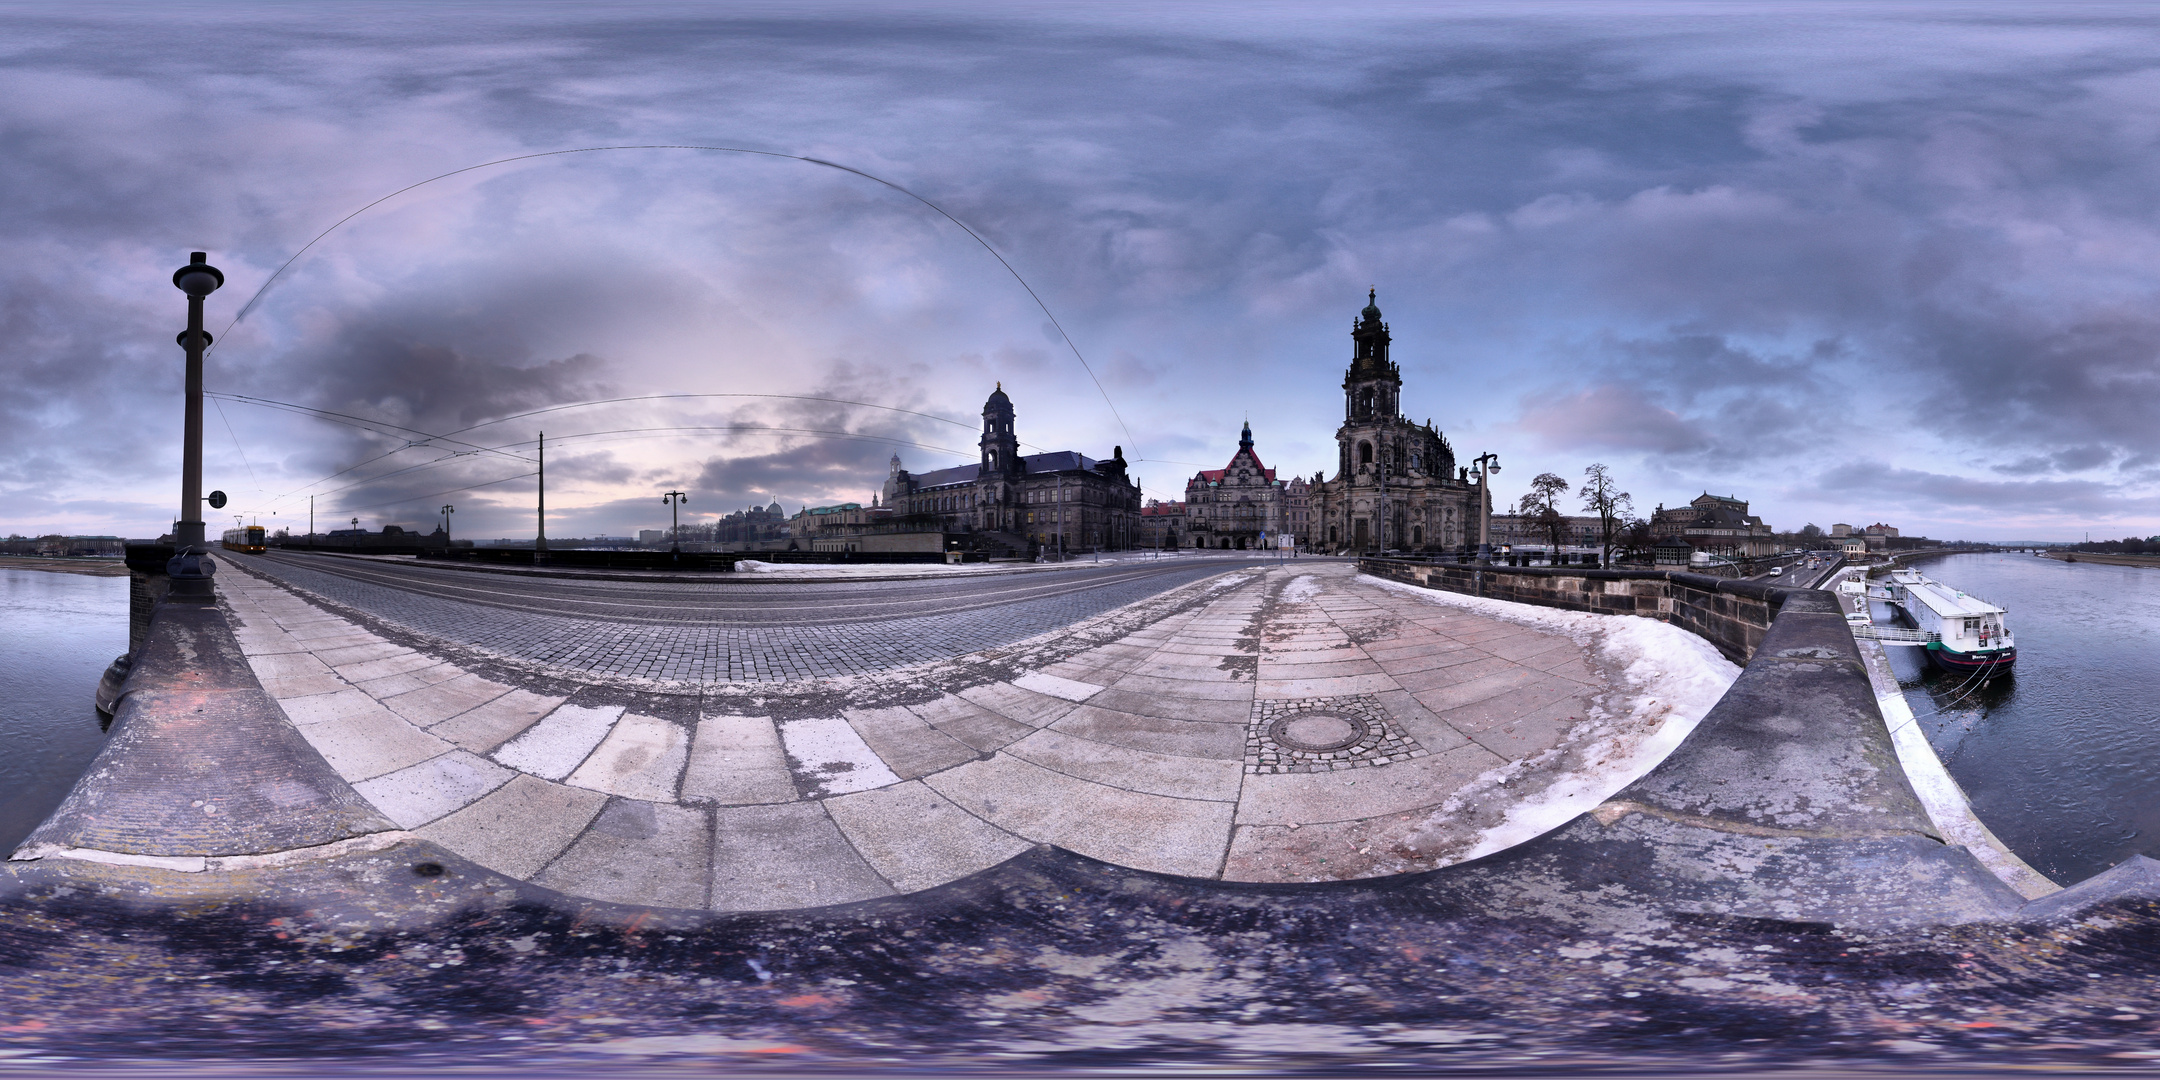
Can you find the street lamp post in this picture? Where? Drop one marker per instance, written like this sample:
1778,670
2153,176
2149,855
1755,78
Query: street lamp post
189,570
674,500
540,532
1486,464
447,510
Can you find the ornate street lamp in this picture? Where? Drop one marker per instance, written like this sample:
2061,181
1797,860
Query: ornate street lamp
447,510
189,569
1485,464
674,500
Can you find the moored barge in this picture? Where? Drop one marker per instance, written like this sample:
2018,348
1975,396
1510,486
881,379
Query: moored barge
1971,637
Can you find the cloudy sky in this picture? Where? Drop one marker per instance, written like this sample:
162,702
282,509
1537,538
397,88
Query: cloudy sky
1852,263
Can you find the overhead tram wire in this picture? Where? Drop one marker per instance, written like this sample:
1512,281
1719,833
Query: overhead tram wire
398,431
941,211
427,439
651,432
432,494
784,397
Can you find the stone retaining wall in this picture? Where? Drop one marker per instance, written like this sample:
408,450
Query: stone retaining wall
1732,615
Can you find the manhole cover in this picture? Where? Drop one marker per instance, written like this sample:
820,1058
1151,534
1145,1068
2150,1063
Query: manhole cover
1324,734
1318,732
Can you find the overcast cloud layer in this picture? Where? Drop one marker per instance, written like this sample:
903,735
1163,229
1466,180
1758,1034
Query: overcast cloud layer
1851,263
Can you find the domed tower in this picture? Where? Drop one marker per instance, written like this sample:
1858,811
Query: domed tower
997,481
1394,490
1372,389
1000,446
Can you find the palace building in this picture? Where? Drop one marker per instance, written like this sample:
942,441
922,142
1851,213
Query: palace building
1061,500
1396,485
1240,505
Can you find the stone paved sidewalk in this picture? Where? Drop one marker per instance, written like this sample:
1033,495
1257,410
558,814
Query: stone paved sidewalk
1287,724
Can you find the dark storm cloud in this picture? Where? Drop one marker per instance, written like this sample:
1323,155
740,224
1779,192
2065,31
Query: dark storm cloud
821,449
1712,246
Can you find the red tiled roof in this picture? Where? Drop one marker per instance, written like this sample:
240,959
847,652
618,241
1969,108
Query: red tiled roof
1216,475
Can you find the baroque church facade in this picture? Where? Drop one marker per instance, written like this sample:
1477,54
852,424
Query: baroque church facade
1396,485
1061,500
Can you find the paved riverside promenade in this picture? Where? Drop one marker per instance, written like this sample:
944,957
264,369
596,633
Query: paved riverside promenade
1263,723
1770,895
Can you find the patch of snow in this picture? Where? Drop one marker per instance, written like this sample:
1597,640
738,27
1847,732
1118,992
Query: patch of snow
1301,589
827,752
1042,682
557,745
1668,680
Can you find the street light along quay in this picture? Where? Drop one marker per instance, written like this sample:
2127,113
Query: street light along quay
1484,467
189,570
447,510
675,499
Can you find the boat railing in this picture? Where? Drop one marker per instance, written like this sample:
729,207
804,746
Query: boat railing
1894,634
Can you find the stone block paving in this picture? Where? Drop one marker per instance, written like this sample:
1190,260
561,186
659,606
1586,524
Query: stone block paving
698,650
1265,725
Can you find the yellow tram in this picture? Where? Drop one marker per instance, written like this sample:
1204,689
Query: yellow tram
249,539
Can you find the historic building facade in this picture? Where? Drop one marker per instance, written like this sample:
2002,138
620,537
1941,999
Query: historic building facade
1396,485
1162,524
1060,500
1240,505
1298,516
1717,525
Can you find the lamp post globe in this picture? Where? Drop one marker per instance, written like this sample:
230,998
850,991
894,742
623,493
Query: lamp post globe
675,499
190,569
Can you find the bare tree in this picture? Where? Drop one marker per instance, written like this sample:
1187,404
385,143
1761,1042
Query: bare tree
1613,507
1636,541
1542,506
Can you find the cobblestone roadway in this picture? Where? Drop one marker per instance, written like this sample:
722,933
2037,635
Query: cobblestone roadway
724,632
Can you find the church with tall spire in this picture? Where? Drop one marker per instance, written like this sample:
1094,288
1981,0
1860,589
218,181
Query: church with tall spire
1007,500
1396,485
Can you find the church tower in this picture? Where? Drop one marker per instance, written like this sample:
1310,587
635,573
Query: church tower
1394,489
1372,389
1000,446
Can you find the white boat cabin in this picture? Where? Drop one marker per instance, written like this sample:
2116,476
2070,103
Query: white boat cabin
1965,623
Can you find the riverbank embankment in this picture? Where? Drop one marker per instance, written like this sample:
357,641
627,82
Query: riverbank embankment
2149,561
60,565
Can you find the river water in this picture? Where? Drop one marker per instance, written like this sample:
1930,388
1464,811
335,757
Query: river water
57,633
2062,760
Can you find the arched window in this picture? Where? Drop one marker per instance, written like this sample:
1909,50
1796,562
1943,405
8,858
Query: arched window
1364,453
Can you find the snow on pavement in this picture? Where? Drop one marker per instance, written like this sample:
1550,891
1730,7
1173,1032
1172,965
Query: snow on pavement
1665,681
